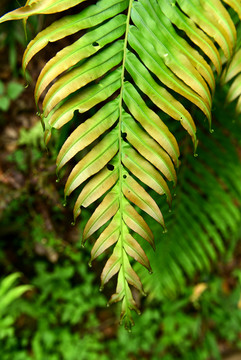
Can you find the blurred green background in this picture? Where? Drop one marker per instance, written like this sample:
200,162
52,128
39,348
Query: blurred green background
50,304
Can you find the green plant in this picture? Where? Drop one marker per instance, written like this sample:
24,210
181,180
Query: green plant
60,312
9,93
9,294
119,85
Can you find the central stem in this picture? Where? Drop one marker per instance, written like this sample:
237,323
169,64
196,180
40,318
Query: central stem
120,138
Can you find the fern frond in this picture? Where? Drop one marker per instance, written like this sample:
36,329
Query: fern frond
205,217
233,73
129,60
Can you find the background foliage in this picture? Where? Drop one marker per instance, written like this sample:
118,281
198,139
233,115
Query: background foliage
193,307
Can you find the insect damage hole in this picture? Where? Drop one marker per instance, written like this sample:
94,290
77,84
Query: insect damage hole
124,136
110,167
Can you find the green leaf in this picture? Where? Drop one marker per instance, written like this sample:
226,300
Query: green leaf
14,89
8,295
4,103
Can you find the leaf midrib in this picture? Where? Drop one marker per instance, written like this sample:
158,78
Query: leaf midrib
121,238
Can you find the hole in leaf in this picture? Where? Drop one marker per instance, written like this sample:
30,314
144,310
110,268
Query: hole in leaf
124,176
110,167
95,43
124,136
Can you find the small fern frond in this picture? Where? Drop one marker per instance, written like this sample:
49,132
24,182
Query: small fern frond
128,60
205,219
